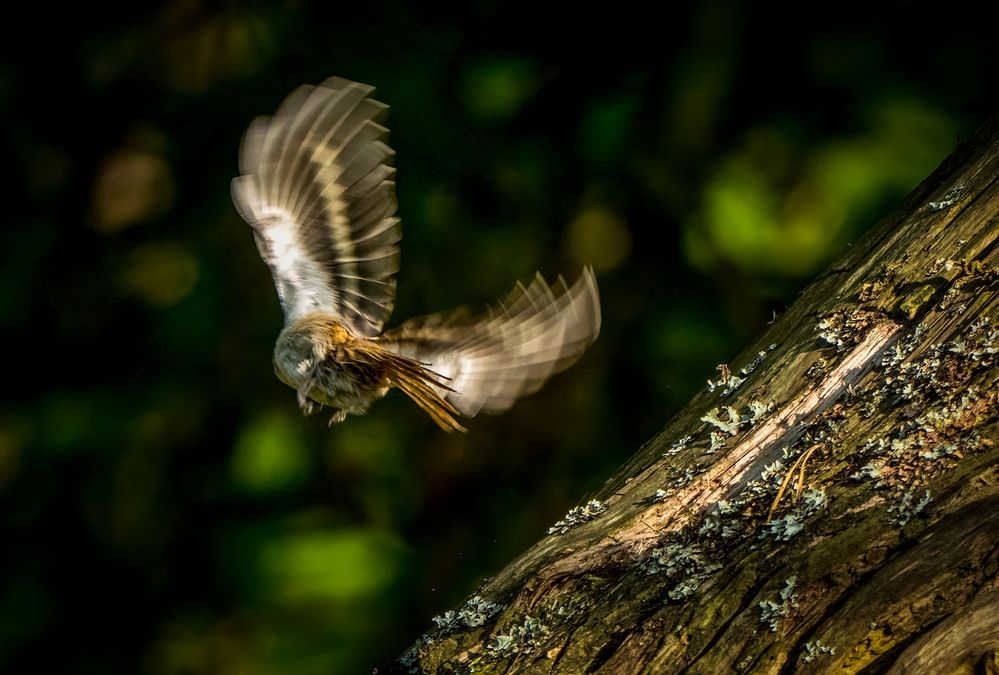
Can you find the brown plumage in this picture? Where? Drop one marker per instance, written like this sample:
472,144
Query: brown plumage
318,191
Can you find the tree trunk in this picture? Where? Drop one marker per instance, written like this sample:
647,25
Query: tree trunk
828,502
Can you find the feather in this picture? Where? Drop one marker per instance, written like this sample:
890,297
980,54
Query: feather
414,379
533,333
317,188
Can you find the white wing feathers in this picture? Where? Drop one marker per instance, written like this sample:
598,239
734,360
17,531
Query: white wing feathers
533,333
319,193
318,190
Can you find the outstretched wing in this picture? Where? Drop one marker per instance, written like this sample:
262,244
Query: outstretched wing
319,194
533,333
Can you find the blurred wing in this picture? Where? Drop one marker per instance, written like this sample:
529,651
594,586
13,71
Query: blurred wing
529,336
320,196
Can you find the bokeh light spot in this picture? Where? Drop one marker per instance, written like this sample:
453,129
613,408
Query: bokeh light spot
330,565
132,186
269,455
496,89
207,47
600,237
772,211
161,274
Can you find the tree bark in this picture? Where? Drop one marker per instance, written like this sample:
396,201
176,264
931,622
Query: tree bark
830,502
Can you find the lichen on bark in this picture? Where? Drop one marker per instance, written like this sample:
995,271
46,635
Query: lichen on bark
856,455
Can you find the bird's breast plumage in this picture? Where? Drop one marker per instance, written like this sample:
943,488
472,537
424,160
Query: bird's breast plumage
319,358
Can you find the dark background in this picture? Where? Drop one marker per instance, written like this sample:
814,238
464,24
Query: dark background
166,509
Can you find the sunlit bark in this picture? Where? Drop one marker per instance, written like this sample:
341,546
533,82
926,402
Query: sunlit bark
829,502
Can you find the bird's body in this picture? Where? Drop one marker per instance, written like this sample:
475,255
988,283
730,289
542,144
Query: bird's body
328,366
317,188
318,357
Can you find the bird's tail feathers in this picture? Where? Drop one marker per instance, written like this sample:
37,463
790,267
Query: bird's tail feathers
419,382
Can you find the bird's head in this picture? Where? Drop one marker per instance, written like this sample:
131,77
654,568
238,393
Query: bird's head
295,356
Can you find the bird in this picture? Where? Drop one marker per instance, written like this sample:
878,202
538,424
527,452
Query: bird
317,187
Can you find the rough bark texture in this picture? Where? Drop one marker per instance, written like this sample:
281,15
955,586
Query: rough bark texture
829,503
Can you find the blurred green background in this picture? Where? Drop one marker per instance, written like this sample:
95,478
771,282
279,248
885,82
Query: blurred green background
165,507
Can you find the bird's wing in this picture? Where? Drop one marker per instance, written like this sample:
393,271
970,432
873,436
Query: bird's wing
317,188
533,333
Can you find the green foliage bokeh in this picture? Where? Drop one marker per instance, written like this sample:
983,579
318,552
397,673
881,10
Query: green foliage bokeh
165,507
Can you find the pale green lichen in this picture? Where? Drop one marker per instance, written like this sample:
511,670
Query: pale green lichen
790,524
685,565
948,200
813,500
724,507
718,440
716,522
754,364
727,380
870,470
474,613
410,659
730,425
773,611
813,650
841,329
771,471
938,410
577,516
677,447
728,420
757,410
522,638
939,452
909,507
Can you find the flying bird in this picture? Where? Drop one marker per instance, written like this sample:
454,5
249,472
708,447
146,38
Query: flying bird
317,187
